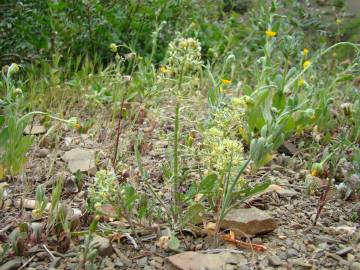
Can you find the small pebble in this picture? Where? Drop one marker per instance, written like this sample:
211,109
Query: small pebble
355,266
275,260
344,251
292,253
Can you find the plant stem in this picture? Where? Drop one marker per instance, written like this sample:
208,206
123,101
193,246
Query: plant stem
118,127
176,161
227,196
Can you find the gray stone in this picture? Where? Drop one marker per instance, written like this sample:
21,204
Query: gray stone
292,253
289,242
251,221
344,251
80,159
142,262
287,148
70,185
12,264
275,260
43,152
118,262
55,263
34,130
244,267
282,256
355,266
103,245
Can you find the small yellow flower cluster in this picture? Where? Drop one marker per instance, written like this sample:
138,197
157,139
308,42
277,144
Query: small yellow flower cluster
225,82
184,55
306,64
269,33
301,82
219,150
221,142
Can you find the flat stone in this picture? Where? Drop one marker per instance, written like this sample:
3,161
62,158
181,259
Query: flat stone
251,221
275,260
34,130
344,251
103,245
197,261
80,159
283,193
12,264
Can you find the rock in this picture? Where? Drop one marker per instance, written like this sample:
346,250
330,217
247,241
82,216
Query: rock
103,245
35,130
283,193
282,255
275,261
196,261
251,221
344,251
355,266
43,152
300,263
118,262
12,264
80,159
124,259
70,185
342,230
142,262
287,148
55,263
289,242
350,257
292,253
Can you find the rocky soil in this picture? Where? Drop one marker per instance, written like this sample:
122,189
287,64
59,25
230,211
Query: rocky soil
280,220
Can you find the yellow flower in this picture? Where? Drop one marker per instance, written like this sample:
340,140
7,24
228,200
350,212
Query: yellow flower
224,81
77,125
338,21
113,47
306,64
163,69
221,90
301,82
305,51
270,33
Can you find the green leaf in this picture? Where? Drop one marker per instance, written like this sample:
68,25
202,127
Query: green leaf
174,243
207,183
93,225
192,215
